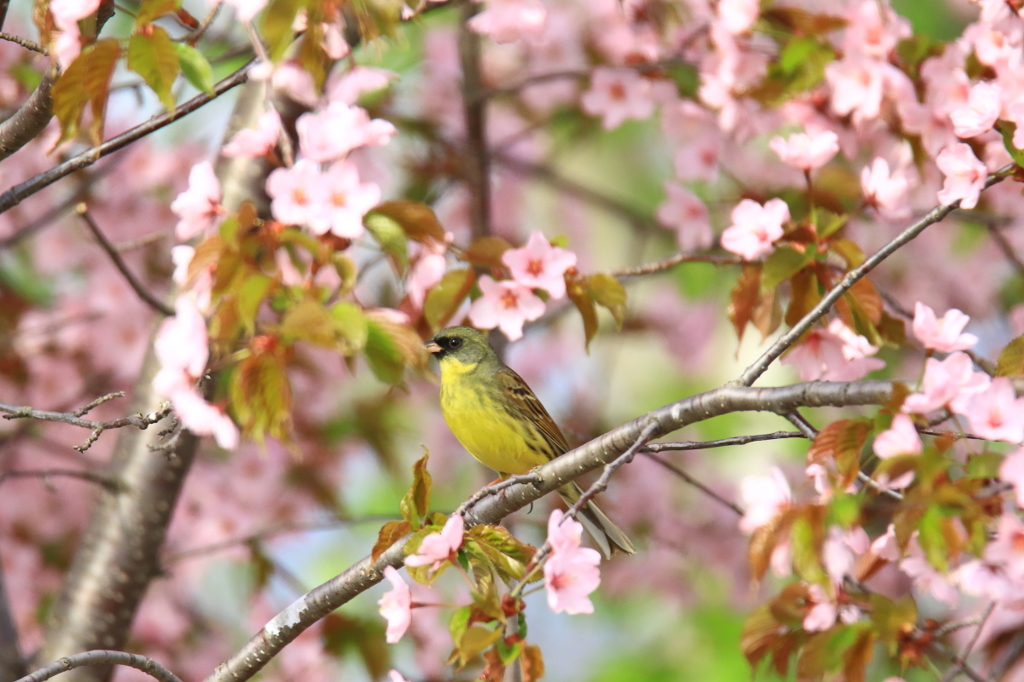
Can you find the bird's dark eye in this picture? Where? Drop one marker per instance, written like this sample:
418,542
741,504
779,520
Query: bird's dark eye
454,343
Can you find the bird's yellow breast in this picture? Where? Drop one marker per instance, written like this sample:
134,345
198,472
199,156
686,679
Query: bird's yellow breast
472,407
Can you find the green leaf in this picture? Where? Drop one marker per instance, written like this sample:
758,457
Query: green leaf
499,548
154,58
86,81
251,294
194,66
459,623
588,310
486,252
390,346
351,327
154,9
474,641
1011,359
389,534
309,321
607,291
276,27
782,264
261,396
417,220
391,237
1008,129
417,499
444,299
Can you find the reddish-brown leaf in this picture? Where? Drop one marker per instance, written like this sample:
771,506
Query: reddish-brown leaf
392,532
533,663
486,252
744,298
418,221
840,443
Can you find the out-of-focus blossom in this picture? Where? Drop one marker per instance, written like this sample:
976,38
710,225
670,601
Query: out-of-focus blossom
738,16
506,305
617,95
763,498
942,334
885,546
338,129
297,193
426,271
539,265
1007,550
1012,471
438,548
347,201
396,606
925,577
996,413
68,12
571,572
251,143
834,354
351,85
965,175
885,190
857,85
291,79
840,551
824,612
755,228
395,676
685,214
182,347
899,439
806,151
181,256
508,20
246,10
198,207
980,112
949,382
204,419
872,33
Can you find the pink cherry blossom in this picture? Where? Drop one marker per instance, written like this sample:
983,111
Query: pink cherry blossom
886,191
899,439
822,615
69,12
942,334
617,95
251,143
925,577
438,548
508,20
980,112
182,347
204,419
246,10
949,382
874,29
1012,471
763,497
351,85
426,271
738,16
965,175
181,256
347,201
396,606
1007,550
291,79
996,413
840,551
805,151
68,45
298,194
755,227
334,132
539,265
507,305
885,545
857,85
198,207
571,572
684,213
395,676
834,354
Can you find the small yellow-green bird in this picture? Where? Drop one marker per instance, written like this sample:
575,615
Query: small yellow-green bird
496,416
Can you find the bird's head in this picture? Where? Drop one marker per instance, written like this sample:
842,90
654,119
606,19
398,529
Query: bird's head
464,345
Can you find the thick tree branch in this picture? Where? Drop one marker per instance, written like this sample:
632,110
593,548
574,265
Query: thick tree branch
12,664
104,658
30,118
601,451
19,193
752,373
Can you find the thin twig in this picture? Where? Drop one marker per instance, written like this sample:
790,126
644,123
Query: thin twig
98,427
102,657
966,651
45,474
122,267
487,491
20,192
694,482
660,266
754,371
721,443
193,37
960,663
1004,245
802,425
24,42
82,411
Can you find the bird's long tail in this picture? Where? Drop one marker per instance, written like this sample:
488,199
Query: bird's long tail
607,536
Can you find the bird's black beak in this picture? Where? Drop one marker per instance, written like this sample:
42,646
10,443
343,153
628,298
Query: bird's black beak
432,347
